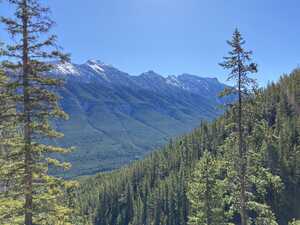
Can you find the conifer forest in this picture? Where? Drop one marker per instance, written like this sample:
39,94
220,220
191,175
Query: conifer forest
236,163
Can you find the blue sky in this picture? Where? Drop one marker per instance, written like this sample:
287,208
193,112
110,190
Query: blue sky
178,36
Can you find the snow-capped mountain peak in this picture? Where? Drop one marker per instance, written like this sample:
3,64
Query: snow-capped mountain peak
172,80
95,65
66,68
97,71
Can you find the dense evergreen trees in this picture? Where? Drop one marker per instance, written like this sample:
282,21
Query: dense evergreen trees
206,193
29,195
162,181
10,204
294,222
243,168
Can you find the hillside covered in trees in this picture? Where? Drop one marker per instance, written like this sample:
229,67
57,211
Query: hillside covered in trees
240,169
156,190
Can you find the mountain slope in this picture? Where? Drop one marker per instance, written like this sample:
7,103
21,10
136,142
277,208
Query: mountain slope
153,190
116,118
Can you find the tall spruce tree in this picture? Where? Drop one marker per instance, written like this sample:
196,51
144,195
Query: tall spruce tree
39,195
206,193
240,65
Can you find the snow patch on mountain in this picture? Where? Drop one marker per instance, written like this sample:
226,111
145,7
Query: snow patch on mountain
172,80
66,68
97,71
95,66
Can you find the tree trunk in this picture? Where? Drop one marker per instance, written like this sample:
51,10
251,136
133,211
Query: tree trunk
242,163
27,121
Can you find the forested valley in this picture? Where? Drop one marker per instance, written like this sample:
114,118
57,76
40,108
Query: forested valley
240,169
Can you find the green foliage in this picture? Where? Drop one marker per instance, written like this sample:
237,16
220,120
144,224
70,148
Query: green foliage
29,195
206,193
259,179
11,206
240,65
160,182
294,222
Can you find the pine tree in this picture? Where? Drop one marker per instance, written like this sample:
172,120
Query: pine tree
294,222
240,65
138,212
206,193
10,204
259,180
36,107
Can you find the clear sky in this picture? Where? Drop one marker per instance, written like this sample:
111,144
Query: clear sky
178,36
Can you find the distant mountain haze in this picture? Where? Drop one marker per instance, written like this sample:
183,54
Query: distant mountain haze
116,118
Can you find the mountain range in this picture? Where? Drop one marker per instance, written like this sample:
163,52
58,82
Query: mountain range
116,118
